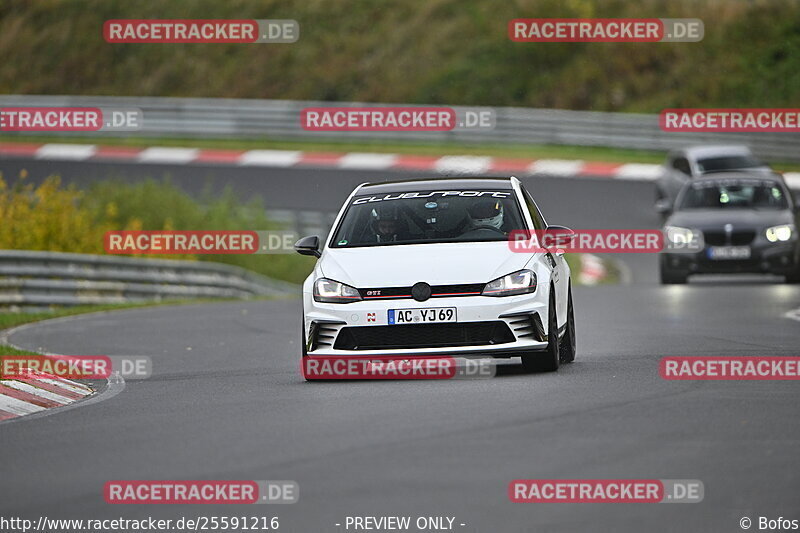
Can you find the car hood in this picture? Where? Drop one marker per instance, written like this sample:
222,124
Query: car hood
739,218
435,264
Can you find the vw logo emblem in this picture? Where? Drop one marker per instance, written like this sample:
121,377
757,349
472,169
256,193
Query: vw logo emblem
421,291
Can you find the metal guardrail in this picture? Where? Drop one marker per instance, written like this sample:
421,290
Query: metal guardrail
253,119
304,222
32,278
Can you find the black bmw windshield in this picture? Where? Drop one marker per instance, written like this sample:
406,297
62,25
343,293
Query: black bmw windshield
715,164
751,194
421,217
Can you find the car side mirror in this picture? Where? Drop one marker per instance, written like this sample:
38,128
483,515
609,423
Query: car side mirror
561,236
308,246
664,206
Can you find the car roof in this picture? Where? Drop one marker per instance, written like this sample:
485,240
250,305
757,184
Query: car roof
703,151
436,184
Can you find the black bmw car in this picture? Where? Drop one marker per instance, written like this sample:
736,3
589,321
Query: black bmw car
742,223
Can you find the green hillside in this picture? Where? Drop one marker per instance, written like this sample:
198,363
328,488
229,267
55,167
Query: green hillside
412,51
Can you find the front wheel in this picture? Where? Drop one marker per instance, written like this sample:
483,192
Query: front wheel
548,360
793,278
670,276
566,349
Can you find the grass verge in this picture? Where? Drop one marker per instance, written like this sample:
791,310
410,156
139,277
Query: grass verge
8,350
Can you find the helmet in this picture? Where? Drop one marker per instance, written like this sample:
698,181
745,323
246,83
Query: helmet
386,221
486,213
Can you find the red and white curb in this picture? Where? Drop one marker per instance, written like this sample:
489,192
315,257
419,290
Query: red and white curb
38,395
38,392
593,270
449,164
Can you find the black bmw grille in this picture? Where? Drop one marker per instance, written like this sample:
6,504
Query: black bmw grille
423,336
738,238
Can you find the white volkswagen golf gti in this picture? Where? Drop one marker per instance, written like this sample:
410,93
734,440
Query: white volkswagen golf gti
427,268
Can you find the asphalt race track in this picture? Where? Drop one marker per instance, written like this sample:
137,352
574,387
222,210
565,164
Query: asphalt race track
226,400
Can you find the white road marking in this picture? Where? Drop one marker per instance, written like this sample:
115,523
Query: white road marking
270,158
637,171
792,179
18,407
167,155
367,161
36,391
67,385
75,152
556,167
463,164
794,314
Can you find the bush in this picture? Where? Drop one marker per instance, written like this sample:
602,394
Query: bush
64,219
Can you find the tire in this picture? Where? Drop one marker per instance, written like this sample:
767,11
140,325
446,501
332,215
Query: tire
566,350
304,346
793,278
660,196
548,360
671,277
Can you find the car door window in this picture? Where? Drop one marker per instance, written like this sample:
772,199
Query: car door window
681,164
536,216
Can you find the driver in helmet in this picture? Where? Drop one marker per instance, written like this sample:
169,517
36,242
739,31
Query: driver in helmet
486,213
388,223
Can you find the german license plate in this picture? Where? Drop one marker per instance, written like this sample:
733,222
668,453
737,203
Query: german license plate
729,252
426,315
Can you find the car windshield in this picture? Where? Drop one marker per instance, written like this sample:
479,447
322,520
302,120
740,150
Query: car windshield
750,194
421,217
732,162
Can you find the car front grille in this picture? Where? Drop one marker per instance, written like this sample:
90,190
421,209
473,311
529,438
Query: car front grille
437,291
423,336
737,238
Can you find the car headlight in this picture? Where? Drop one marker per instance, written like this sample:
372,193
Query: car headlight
678,235
333,292
783,232
521,282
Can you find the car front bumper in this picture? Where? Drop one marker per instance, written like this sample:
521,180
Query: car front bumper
765,258
515,324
